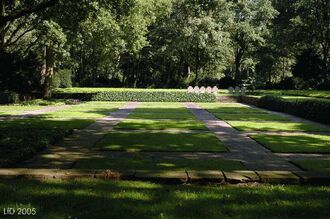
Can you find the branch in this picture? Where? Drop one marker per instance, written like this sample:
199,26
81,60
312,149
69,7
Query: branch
27,11
19,37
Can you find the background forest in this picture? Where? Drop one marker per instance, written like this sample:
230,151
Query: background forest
163,44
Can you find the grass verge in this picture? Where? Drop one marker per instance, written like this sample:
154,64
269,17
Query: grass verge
91,198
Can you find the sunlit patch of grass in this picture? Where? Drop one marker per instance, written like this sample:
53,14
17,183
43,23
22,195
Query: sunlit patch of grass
295,143
250,117
118,199
164,115
160,124
275,126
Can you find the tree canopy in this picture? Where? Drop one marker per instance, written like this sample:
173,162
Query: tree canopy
163,43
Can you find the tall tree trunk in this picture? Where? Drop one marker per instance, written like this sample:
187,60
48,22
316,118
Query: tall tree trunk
48,70
197,67
237,70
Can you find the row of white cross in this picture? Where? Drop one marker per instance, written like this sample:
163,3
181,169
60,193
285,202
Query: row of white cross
201,90
237,90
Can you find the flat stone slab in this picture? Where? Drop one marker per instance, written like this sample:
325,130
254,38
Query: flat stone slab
172,177
63,174
313,178
206,176
285,177
241,176
162,176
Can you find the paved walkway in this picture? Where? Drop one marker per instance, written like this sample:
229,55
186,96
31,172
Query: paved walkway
78,145
241,147
31,113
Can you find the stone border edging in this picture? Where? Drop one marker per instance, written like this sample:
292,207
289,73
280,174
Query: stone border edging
176,177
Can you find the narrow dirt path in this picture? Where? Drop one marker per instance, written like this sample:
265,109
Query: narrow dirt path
241,147
64,154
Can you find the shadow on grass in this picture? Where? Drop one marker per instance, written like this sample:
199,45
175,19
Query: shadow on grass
22,139
144,141
124,199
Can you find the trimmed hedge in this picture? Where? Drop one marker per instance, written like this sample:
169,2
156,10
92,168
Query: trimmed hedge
154,96
312,109
141,95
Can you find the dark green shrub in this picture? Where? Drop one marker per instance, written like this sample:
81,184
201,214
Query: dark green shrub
9,97
312,109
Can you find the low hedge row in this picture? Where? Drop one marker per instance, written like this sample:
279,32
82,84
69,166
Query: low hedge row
312,109
148,95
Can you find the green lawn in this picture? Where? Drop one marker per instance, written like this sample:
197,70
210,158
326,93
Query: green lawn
143,141
295,143
162,116
250,117
86,110
156,164
229,108
92,198
7,110
322,166
149,124
21,139
275,126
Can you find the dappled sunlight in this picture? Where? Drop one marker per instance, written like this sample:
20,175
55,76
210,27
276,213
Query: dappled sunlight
113,199
131,163
250,117
276,126
161,141
295,143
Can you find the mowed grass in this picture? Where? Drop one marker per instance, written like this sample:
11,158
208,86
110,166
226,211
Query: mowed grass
161,107
7,110
166,115
320,165
295,143
21,139
275,126
95,198
87,110
158,164
143,141
250,117
229,108
149,124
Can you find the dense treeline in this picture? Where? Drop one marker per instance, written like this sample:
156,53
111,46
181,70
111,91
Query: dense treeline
163,43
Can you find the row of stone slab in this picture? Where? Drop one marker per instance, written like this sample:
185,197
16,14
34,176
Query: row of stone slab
177,177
